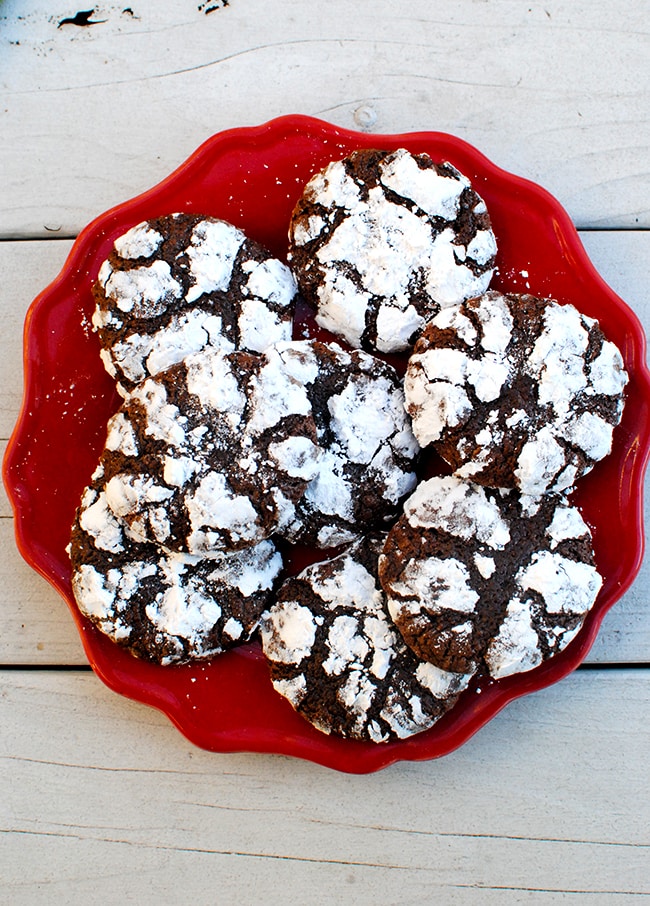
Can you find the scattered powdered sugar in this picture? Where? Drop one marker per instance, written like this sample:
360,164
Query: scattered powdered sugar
141,241
463,509
567,586
432,583
99,521
437,195
515,648
567,523
289,633
143,292
214,247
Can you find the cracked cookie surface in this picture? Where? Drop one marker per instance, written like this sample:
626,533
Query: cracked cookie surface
211,454
381,241
516,391
335,655
479,579
177,284
368,451
165,607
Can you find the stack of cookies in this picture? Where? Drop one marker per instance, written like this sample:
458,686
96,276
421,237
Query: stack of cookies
236,441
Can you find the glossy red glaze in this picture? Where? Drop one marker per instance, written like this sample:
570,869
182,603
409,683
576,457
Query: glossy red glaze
252,177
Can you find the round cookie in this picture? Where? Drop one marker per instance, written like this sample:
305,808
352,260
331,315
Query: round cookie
163,607
334,654
211,454
482,579
515,391
368,451
382,240
174,285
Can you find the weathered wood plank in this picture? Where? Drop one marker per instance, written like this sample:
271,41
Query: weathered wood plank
97,793
26,268
550,91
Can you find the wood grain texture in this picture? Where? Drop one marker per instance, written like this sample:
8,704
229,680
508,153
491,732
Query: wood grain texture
545,804
101,799
554,92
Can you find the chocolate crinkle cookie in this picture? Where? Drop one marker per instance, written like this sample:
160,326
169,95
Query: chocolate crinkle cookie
516,391
335,655
211,454
368,451
177,284
165,607
487,580
379,242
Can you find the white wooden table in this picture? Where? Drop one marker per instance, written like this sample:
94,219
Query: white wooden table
100,796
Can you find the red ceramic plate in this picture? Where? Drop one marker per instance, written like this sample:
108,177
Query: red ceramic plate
252,177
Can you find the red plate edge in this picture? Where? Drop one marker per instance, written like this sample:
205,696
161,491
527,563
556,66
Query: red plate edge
289,734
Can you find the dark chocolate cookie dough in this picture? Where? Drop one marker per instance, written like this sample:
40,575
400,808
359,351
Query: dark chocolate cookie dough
382,240
211,454
482,579
334,654
164,607
174,285
516,391
368,451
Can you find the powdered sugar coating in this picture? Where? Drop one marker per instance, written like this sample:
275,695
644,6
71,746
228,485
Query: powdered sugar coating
165,607
477,580
516,391
177,284
368,450
334,654
211,454
380,241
